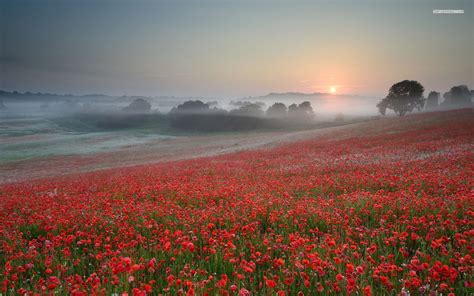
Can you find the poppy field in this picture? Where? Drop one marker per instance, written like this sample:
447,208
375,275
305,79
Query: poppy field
384,208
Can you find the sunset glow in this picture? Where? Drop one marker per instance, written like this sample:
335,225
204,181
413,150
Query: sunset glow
227,48
209,147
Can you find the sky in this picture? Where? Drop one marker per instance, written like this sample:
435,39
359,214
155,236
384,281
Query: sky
233,48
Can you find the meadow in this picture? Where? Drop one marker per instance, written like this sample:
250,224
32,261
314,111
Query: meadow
382,208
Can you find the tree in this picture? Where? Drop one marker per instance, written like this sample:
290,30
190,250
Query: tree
432,100
138,105
459,95
302,111
306,108
293,110
250,109
277,110
191,107
243,103
403,97
382,106
214,104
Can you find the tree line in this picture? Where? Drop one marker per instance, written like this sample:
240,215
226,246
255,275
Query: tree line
200,116
303,110
407,95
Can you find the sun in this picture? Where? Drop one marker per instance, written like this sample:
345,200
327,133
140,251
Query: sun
332,89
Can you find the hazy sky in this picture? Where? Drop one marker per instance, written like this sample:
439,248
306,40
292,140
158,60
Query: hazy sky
233,48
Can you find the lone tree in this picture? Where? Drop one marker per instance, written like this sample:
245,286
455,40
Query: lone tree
432,101
403,97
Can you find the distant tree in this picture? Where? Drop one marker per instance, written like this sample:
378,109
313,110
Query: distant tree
303,111
306,108
277,110
213,104
432,101
459,95
191,107
217,110
243,103
138,105
251,109
403,97
293,110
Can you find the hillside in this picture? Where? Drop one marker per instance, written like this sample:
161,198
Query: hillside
375,208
